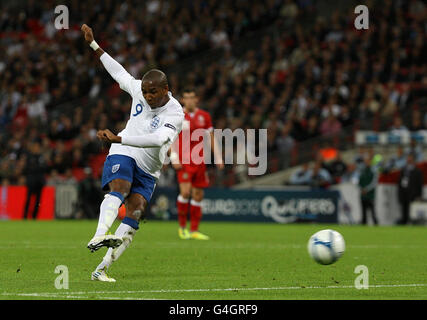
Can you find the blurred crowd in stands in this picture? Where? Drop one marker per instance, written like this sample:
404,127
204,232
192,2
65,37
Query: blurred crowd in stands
406,168
330,168
280,65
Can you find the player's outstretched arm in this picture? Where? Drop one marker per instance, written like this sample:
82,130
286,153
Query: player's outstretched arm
165,133
114,68
151,140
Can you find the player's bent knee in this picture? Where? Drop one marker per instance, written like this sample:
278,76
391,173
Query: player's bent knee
120,186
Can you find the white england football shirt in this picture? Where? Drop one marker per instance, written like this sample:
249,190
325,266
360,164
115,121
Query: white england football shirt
145,120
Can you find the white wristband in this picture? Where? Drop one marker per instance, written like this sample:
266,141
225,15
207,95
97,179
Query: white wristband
94,45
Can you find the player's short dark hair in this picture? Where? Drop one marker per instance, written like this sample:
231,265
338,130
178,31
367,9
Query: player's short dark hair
157,76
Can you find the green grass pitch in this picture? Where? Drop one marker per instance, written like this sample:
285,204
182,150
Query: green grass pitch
241,261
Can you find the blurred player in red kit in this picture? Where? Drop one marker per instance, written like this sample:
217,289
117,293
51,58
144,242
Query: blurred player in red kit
187,159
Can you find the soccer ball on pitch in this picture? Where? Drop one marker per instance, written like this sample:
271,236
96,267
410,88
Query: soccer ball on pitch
326,246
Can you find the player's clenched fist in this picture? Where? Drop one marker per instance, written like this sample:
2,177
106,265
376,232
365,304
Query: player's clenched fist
87,33
107,135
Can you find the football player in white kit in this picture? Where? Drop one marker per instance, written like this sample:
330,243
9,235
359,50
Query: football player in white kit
136,155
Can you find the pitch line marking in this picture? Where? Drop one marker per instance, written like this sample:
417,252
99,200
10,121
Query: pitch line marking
250,289
79,294
72,296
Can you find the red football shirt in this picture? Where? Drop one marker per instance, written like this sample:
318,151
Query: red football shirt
195,125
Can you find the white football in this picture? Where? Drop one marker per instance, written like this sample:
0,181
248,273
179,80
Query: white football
326,246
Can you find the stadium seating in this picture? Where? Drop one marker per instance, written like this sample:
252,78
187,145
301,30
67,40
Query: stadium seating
267,72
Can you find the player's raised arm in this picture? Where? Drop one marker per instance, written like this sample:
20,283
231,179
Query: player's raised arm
88,34
114,68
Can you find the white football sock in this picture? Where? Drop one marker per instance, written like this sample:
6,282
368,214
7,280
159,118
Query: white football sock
108,213
124,231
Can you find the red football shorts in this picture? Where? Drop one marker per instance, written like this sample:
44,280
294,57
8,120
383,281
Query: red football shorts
197,175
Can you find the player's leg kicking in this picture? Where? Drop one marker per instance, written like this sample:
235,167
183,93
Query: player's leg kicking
135,206
117,177
141,191
108,213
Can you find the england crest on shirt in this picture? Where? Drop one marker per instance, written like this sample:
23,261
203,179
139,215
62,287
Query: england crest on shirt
154,124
